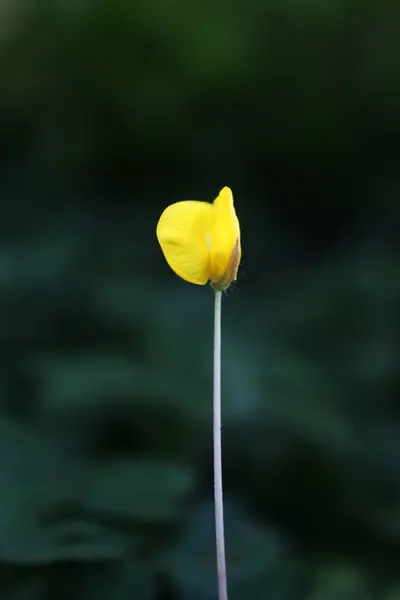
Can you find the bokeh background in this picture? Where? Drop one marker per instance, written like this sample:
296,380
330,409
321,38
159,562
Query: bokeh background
109,111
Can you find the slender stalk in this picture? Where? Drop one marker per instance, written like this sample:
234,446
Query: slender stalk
218,494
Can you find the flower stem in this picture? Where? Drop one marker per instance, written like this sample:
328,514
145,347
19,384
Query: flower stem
218,494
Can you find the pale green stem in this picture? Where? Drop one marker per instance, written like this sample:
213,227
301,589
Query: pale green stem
218,494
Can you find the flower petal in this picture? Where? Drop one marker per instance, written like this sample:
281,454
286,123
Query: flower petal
226,248
184,231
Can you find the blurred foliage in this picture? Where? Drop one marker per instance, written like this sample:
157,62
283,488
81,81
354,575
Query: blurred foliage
109,110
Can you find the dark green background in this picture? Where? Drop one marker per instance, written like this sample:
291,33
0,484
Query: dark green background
109,111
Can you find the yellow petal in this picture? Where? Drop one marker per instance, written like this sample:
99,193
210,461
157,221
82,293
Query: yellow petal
226,248
184,232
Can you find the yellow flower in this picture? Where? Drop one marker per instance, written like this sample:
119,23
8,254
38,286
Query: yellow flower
201,241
